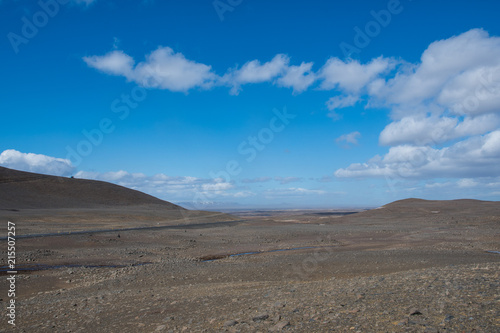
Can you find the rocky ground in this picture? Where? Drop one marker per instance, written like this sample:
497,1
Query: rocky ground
380,271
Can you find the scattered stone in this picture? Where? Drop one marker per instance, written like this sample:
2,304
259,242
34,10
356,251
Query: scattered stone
230,323
448,318
415,312
281,325
260,317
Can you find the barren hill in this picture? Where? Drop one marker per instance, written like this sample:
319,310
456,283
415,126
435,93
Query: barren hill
441,211
45,204
22,190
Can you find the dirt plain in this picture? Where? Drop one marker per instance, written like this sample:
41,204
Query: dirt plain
410,266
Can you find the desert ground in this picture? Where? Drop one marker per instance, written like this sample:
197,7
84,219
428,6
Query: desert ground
409,266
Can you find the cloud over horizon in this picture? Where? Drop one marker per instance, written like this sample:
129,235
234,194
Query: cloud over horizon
477,156
442,108
173,188
36,163
445,112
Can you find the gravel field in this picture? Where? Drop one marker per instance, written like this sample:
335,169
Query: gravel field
407,267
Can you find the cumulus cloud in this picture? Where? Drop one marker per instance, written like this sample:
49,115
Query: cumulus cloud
445,71
255,72
445,112
165,69
339,102
299,78
435,130
477,156
475,91
162,68
217,187
467,182
172,188
244,194
451,96
346,139
37,163
351,76
114,63
456,77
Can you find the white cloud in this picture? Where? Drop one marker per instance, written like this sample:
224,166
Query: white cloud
255,72
438,185
168,70
418,130
421,130
217,187
351,138
351,76
450,97
37,163
298,77
114,63
475,91
339,102
477,156
467,182
163,69
244,194
450,100
183,188
444,65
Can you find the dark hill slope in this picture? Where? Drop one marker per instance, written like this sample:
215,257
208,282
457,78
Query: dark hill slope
41,204
25,190
440,211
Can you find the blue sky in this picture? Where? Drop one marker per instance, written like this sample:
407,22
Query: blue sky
256,103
